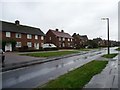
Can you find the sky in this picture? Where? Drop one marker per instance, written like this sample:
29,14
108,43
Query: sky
72,16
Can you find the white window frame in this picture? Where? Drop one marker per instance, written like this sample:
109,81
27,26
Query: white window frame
18,35
63,39
18,44
42,37
29,36
59,38
8,34
29,44
50,38
36,37
63,44
68,39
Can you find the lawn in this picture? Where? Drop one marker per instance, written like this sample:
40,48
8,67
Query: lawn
78,77
118,49
50,54
110,55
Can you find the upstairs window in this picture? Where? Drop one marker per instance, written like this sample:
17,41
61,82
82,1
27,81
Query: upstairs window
18,35
68,39
8,34
63,39
42,38
36,36
59,38
29,36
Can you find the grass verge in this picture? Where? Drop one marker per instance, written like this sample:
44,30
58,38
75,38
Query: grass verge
118,49
110,55
50,54
78,77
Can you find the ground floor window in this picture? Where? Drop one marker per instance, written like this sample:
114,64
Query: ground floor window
29,44
18,44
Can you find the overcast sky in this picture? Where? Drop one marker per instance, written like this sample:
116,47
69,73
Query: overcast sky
73,16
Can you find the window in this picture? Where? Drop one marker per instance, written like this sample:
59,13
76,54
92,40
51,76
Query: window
50,38
36,36
59,38
18,44
63,44
68,39
18,35
42,38
8,34
29,36
63,39
29,44
68,44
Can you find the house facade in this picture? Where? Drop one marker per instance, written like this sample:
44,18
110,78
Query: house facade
80,41
16,36
59,38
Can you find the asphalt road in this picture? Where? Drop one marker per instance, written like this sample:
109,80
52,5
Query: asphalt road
33,76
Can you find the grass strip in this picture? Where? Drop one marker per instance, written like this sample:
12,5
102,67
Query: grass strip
118,49
78,77
110,55
50,54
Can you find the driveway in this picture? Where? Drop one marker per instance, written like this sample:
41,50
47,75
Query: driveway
13,57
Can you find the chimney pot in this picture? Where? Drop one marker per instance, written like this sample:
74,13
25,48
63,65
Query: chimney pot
62,30
17,22
56,29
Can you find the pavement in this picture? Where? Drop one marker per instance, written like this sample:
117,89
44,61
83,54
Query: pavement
108,78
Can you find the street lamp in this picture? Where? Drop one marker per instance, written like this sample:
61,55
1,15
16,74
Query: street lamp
107,33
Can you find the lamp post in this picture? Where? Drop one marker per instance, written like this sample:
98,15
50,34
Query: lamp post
107,33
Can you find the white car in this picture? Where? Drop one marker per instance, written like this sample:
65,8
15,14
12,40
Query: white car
48,45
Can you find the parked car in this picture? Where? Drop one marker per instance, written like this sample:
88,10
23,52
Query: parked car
48,45
2,55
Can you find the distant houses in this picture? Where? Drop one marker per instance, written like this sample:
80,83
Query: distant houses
80,41
59,38
21,38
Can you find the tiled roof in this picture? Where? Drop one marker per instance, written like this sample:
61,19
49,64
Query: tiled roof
61,34
12,27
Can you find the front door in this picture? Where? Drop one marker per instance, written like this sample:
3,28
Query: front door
8,47
36,45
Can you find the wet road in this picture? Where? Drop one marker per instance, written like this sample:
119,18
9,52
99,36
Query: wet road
33,76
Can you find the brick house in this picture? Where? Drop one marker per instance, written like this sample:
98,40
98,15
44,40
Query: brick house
16,36
80,41
59,38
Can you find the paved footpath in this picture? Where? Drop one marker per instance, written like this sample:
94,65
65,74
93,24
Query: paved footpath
108,78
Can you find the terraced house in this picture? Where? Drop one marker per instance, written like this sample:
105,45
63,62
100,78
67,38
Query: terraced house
17,37
59,38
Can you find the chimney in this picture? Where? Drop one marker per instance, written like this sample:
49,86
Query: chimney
74,34
56,29
62,30
17,22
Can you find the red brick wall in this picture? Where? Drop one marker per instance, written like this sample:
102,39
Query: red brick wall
55,40
23,39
